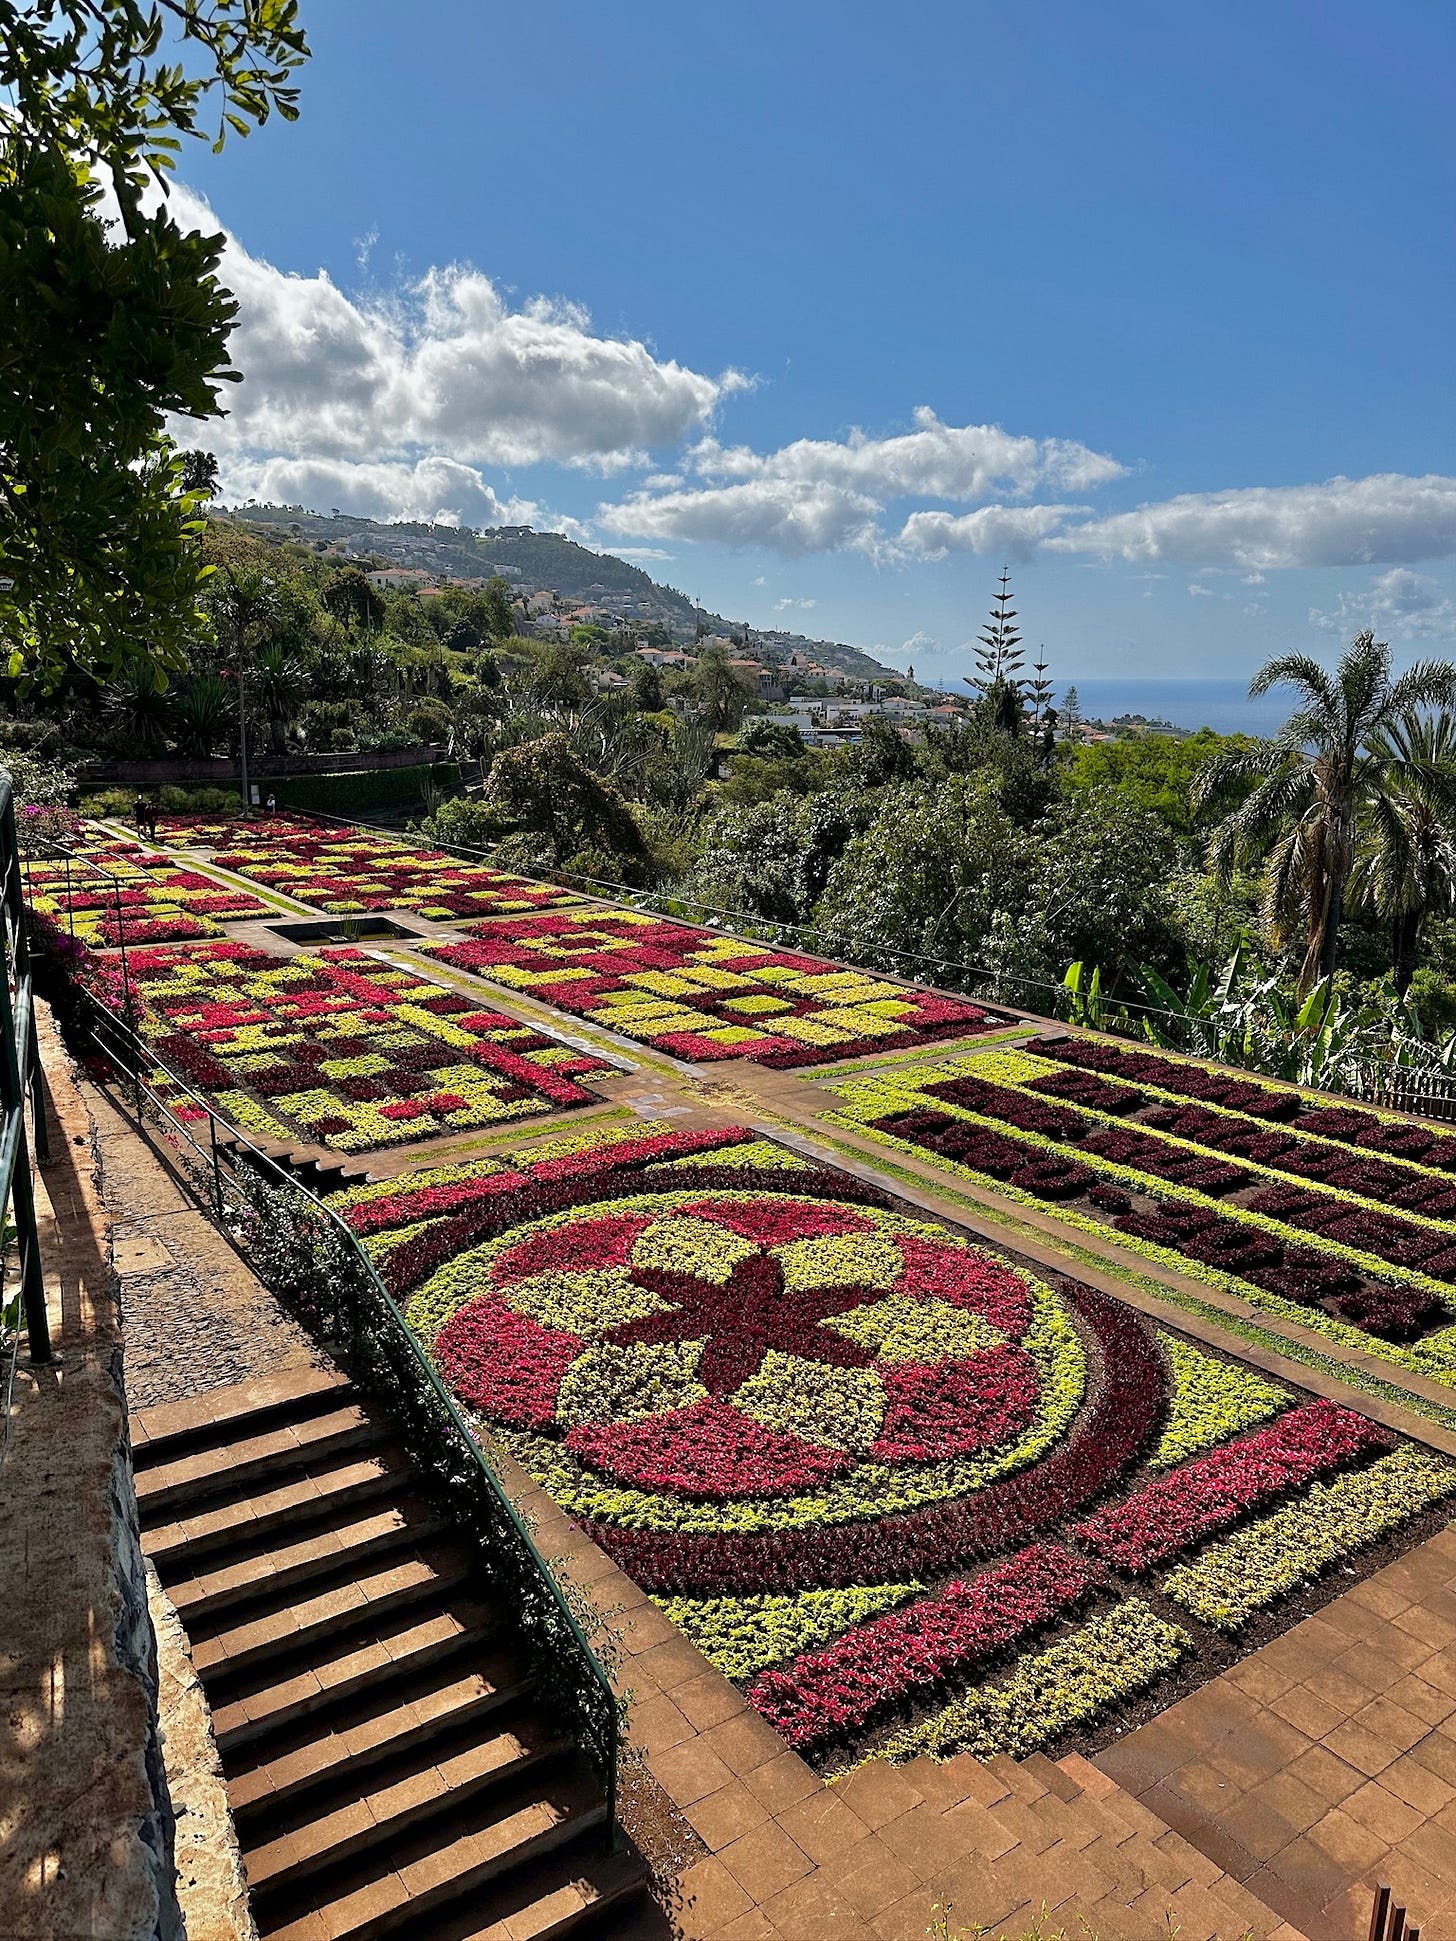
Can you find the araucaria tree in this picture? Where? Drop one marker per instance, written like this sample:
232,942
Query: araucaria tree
999,654
1317,783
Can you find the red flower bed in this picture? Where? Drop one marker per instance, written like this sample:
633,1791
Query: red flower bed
883,1662
1168,1515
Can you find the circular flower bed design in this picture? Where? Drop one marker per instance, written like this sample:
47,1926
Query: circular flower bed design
741,1375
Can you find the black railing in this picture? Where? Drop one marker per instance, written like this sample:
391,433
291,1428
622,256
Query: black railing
312,1259
20,1084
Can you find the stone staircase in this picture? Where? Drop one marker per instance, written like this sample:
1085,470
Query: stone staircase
1063,1834
390,1767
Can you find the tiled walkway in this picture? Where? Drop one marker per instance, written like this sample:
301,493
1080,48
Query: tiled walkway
1326,1760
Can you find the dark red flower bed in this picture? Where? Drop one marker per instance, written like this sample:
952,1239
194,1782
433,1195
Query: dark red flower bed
1176,1511
827,1693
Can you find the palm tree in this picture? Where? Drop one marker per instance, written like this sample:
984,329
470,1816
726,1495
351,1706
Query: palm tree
1313,781
1405,870
139,706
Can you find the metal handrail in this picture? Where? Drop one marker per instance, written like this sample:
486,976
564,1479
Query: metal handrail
452,1451
20,1083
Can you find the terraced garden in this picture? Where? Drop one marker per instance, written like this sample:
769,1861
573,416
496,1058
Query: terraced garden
907,1494
704,996
134,895
911,1494
347,1052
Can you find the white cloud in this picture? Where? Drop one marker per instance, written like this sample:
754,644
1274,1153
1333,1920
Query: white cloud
934,460
1344,522
444,366
790,518
638,552
1399,605
1200,592
1013,531
921,643
821,495
441,489
781,606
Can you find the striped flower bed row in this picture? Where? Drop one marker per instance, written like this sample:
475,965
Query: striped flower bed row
1181,1216
872,1470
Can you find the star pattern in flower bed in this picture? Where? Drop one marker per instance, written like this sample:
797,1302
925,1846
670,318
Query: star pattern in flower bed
871,1468
703,996
143,897
349,1052
350,871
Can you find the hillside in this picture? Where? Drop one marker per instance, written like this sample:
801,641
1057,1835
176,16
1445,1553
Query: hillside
532,559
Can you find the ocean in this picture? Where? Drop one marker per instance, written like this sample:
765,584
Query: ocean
1222,705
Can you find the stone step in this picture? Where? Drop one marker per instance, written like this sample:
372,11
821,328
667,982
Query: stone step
270,1573
341,1486
232,1467
286,1774
438,1864
175,1427
297,1632
570,1891
389,1802
413,1642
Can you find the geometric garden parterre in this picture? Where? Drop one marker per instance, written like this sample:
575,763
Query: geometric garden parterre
909,1496
907,1493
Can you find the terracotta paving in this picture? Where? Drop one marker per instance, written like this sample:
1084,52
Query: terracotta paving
1327,1759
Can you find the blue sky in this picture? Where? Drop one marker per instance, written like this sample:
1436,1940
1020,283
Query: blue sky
833,304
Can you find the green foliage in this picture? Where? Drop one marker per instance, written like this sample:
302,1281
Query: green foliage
1330,768
106,335
543,790
718,691
773,858
1156,772
358,791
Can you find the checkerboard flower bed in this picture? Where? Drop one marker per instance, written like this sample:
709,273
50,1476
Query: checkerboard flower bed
873,1470
703,996
346,1051
1304,1249
347,871
143,898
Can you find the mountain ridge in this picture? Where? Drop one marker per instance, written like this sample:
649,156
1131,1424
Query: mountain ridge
531,559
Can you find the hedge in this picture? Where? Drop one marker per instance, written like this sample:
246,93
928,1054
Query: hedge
359,789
